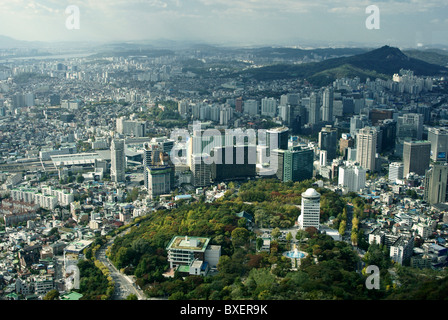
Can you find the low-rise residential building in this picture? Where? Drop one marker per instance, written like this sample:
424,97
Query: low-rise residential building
193,254
401,249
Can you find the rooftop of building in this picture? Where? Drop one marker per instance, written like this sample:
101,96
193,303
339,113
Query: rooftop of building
198,244
311,193
78,246
418,142
279,129
71,296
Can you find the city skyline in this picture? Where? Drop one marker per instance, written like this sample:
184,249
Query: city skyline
235,22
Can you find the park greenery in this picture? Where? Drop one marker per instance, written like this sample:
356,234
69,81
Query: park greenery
331,269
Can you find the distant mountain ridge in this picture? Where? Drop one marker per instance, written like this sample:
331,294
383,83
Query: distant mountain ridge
378,63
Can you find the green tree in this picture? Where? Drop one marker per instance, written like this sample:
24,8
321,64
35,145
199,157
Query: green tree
52,295
240,236
342,227
300,236
80,178
275,233
354,238
289,238
242,222
259,243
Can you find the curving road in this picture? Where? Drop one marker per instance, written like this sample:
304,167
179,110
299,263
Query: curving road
123,284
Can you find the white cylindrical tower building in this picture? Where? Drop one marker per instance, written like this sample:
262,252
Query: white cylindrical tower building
310,213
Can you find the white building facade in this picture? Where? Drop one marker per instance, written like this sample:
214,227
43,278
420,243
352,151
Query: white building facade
310,212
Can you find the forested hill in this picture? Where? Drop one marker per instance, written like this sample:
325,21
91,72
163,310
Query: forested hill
378,63
330,271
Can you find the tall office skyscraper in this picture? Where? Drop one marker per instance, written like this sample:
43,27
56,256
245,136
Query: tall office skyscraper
152,152
277,138
233,162
328,141
425,111
314,114
327,105
366,141
416,156
439,143
310,211
436,179
410,125
294,164
387,132
239,105
285,112
118,160
201,170
160,174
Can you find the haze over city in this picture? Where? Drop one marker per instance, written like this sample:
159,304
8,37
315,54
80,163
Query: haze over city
231,22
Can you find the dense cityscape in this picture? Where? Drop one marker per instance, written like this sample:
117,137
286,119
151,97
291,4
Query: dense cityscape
180,171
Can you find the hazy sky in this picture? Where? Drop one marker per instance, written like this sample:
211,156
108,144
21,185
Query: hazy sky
402,22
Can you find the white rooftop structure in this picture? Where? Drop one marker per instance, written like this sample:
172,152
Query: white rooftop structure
311,193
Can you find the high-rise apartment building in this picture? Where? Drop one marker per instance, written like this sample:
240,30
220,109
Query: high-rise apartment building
131,127
366,142
183,107
269,107
251,107
352,177
358,122
396,170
